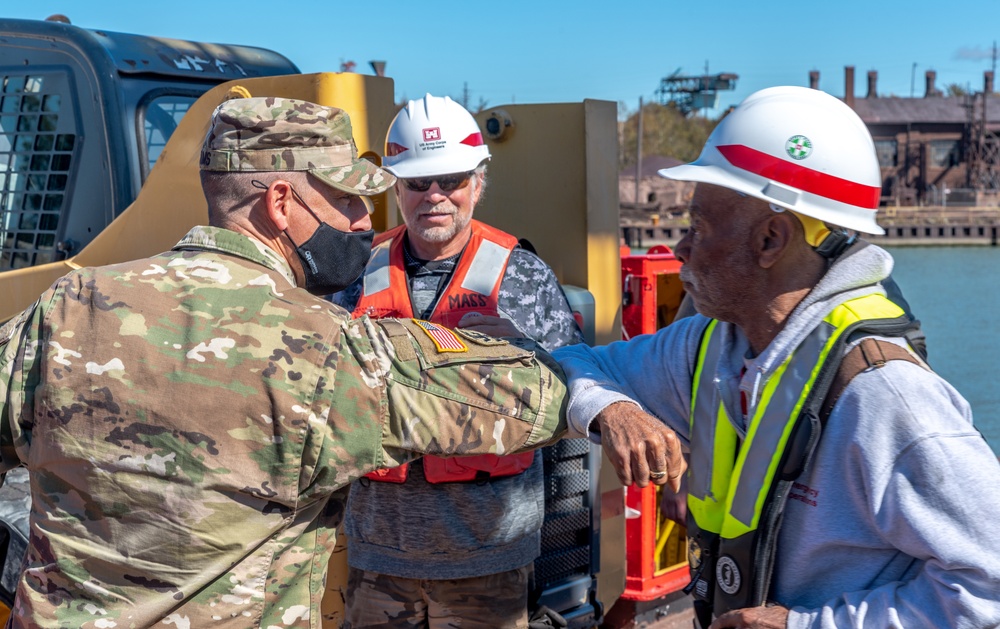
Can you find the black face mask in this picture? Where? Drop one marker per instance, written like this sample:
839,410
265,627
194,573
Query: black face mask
331,259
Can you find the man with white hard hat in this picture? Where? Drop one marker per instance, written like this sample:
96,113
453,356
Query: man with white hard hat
443,543
834,480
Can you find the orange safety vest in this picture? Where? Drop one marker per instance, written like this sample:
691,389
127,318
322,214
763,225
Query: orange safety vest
474,286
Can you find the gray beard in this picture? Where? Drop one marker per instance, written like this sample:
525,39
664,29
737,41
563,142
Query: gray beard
440,234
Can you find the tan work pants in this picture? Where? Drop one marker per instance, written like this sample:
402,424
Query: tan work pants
494,601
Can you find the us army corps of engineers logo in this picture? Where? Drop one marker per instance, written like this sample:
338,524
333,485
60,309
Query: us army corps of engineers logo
798,147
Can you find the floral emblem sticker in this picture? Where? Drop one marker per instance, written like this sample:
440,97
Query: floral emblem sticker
798,147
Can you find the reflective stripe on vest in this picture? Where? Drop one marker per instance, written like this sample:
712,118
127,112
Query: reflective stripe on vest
484,272
708,476
730,486
474,286
483,275
376,278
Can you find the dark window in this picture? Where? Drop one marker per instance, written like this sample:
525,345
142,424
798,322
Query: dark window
159,120
31,103
65,142
44,142
943,153
36,182
60,162
57,182
886,150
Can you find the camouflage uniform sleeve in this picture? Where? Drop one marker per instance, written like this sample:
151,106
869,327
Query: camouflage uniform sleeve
444,392
16,353
531,296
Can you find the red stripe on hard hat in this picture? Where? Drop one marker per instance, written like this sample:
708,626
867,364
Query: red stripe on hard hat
393,149
805,179
474,139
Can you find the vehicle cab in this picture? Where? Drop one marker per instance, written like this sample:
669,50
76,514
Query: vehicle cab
92,109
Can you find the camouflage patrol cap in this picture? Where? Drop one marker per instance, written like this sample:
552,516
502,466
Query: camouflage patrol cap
282,134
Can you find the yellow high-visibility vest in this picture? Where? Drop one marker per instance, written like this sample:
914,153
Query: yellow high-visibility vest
737,492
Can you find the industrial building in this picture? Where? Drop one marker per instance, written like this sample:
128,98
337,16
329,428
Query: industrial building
940,163
934,150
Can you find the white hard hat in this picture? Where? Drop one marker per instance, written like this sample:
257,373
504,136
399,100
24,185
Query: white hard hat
798,148
433,136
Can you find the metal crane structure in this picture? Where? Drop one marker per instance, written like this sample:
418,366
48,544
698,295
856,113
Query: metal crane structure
983,146
983,142
691,93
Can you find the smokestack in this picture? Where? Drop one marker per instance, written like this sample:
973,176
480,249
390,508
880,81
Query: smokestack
849,86
814,79
930,90
988,81
872,84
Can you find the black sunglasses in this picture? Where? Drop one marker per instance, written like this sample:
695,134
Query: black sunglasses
447,183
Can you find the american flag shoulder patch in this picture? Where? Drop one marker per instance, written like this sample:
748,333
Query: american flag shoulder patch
444,339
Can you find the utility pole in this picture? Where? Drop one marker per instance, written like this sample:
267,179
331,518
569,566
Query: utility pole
704,113
913,78
465,94
638,156
994,67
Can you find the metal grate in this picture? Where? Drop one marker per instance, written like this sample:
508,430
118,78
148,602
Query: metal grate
566,532
562,564
35,160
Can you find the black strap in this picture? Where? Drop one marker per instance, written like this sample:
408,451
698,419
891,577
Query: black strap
829,386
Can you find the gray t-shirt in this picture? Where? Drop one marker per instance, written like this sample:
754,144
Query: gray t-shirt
460,530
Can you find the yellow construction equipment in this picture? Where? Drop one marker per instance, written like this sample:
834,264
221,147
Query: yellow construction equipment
553,182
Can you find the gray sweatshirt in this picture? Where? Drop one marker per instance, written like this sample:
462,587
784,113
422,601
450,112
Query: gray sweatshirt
897,521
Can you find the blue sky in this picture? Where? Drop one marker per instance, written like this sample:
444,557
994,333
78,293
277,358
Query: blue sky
530,52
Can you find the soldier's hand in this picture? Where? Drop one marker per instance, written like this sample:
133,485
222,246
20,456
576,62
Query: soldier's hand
640,447
491,326
773,617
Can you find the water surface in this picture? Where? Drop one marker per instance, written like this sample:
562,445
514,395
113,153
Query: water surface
955,292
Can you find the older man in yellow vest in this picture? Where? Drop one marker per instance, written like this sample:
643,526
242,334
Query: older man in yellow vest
835,481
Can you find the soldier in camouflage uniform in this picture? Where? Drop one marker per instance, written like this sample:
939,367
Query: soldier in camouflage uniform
192,421
430,548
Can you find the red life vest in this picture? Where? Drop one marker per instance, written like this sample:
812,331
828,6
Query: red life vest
474,286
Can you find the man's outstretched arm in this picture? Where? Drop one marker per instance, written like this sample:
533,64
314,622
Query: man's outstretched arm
443,392
635,398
